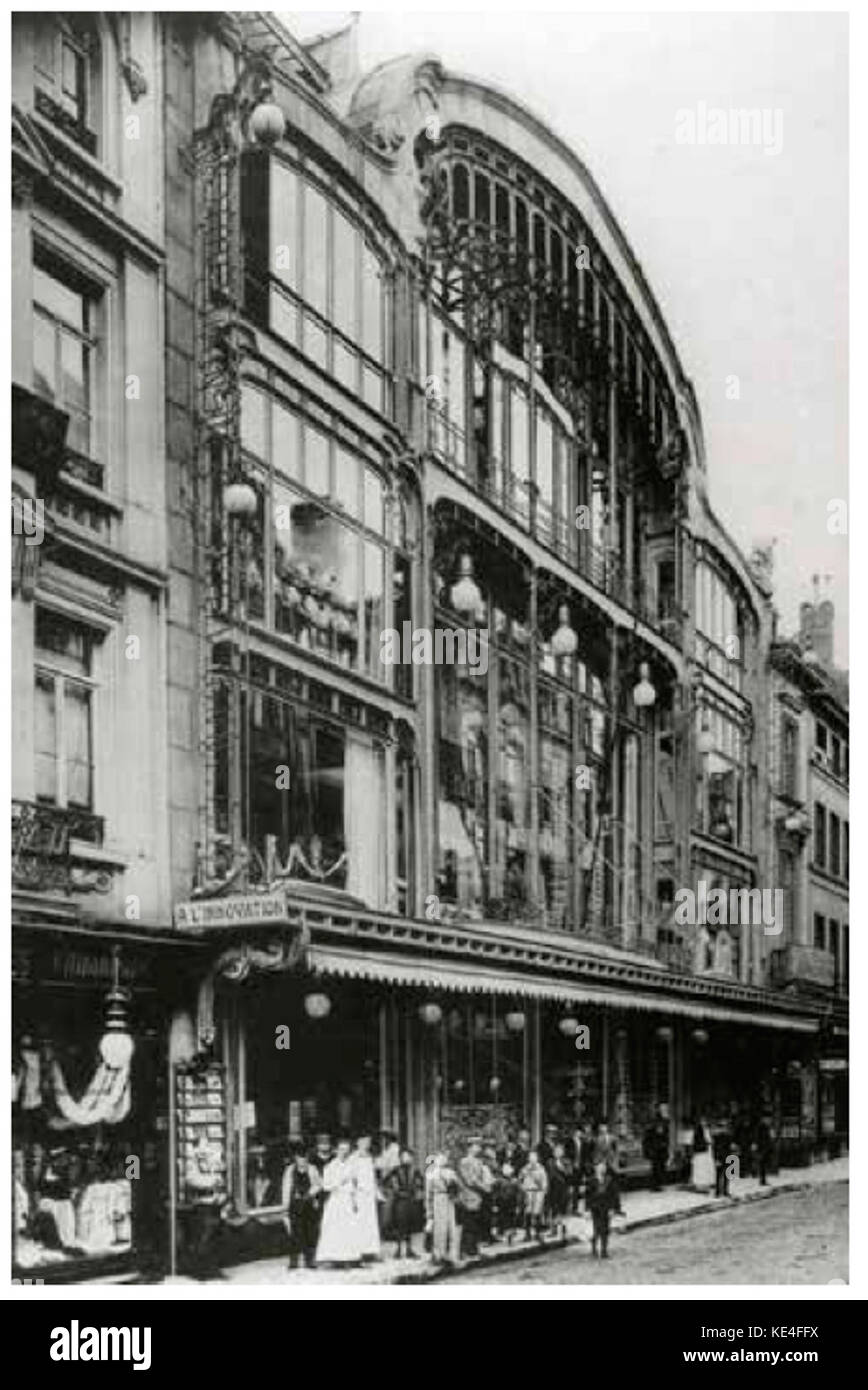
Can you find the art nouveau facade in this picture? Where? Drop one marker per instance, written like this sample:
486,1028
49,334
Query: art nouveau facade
414,377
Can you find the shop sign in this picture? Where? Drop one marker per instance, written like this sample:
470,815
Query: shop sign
236,911
833,1064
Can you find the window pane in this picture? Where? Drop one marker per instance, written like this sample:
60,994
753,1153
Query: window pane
315,249
44,367
347,482
372,383
544,457
518,437
76,724
315,341
284,316
345,279
74,375
253,426
286,441
372,305
374,608
284,222
45,739
346,366
59,299
374,501
316,461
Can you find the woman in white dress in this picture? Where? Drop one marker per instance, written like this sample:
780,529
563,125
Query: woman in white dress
367,1190
702,1175
340,1235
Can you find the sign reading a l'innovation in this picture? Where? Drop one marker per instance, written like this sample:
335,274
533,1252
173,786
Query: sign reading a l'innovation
244,910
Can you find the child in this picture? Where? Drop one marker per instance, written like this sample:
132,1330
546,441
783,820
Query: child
534,1185
602,1200
507,1200
404,1186
301,1190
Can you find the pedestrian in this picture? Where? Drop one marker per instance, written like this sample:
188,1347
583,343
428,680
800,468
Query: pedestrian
764,1148
702,1174
534,1185
560,1177
300,1198
656,1147
474,1181
722,1150
605,1150
442,1189
367,1191
507,1200
522,1150
340,1239
323,1152
403,1186
602,1198
546,1146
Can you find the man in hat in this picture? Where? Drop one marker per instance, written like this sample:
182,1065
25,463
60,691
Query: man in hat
474,1189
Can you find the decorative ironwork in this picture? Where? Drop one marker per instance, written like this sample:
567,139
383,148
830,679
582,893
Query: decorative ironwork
43,852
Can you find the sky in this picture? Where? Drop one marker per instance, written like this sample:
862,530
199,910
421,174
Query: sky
744,245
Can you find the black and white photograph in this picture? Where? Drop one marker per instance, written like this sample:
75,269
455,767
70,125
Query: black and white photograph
429,664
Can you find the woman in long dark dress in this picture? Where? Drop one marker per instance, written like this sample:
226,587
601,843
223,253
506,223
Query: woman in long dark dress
404,1187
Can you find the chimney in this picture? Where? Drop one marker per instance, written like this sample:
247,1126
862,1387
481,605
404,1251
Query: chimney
824,632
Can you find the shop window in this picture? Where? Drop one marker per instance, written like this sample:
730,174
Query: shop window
724,798
63,712
74,1128
65,347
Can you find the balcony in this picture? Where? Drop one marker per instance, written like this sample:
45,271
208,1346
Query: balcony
55,849
802,968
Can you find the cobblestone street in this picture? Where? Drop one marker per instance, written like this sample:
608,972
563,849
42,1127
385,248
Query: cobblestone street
796,1238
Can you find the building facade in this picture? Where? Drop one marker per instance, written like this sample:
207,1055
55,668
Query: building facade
407,393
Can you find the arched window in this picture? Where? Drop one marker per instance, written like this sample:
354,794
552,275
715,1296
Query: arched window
483,200
460,192
501,210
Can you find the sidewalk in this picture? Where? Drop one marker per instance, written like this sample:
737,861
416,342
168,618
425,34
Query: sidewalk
641,1208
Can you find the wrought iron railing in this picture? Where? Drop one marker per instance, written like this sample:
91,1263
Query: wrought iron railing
44,855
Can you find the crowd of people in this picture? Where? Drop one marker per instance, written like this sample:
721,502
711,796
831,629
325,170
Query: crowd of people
346,1204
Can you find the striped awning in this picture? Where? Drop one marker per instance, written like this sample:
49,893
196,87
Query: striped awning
473,979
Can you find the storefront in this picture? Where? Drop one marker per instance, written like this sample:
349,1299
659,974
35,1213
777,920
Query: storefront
89,1103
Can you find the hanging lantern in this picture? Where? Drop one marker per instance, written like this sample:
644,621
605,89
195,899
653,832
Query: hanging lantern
565,641
239,499
569,1026
267,124
494,1085
116,1045
514,1021
700,1036
430,1014
644,693
458,1085
317,1005
665,1033
465,596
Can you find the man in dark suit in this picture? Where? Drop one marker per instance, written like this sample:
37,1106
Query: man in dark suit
656,1147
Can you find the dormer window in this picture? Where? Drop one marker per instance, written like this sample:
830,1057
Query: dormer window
66,70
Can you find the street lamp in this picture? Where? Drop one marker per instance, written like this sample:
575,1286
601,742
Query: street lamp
465,596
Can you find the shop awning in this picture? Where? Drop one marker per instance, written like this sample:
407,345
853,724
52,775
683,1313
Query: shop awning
472,979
